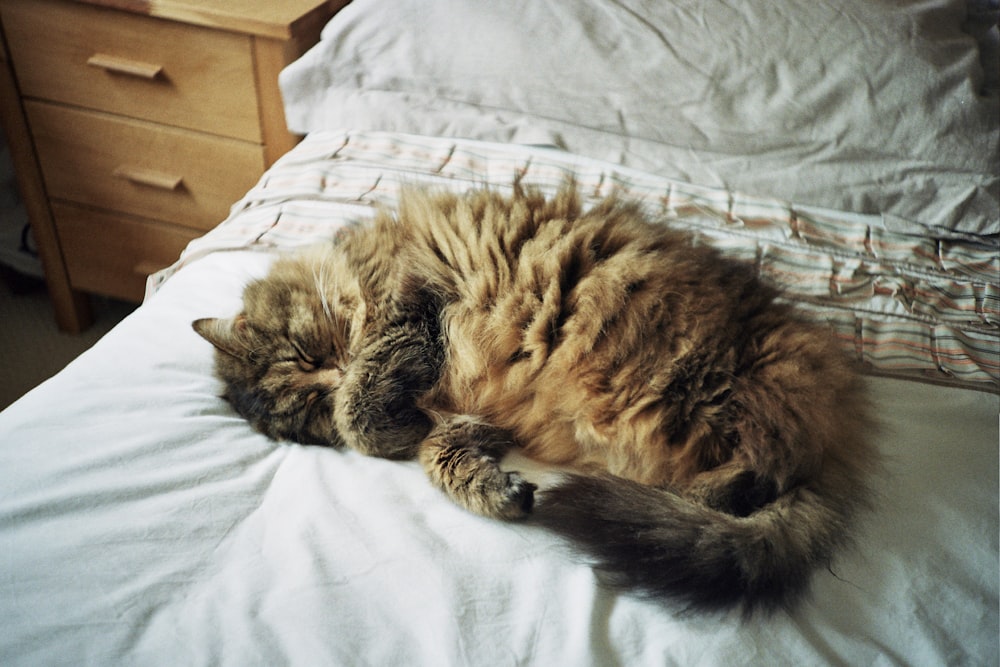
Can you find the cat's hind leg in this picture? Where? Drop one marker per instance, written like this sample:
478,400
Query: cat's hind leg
462,457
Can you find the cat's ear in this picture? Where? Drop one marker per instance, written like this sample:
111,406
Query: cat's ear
224,334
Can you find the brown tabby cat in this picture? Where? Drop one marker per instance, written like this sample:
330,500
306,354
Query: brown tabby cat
718,440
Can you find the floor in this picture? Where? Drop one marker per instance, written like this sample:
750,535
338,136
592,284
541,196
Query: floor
32,349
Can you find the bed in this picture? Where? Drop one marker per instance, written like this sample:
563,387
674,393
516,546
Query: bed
848,149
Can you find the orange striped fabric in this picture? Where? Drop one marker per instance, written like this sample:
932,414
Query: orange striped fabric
906,305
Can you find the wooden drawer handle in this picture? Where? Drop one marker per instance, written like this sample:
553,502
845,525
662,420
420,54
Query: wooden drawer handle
153,179
120,65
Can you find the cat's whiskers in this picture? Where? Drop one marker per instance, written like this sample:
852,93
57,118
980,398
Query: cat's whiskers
328,291
320,280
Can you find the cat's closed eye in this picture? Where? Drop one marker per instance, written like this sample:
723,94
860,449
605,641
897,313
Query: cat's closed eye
305,361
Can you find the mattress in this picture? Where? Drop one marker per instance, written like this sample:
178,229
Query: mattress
848,150
143,522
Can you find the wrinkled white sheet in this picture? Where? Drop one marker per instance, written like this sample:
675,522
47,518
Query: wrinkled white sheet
880,107
143,523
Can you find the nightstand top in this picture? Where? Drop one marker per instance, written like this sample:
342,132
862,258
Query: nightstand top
281,19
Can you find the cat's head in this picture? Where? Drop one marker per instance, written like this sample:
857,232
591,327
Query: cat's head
283,357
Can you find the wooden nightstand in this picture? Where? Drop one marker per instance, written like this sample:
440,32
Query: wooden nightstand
135,124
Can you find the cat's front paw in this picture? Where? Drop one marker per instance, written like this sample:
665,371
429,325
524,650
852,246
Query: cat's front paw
516,499
376,415
375,410
494,493
462,456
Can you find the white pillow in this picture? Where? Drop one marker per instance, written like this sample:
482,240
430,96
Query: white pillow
871,106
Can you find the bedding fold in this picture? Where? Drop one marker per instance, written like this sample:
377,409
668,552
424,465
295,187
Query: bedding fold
903,304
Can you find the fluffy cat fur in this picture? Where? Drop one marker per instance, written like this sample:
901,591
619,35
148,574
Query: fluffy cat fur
717,440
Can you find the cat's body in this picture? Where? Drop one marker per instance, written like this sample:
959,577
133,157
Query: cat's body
718,439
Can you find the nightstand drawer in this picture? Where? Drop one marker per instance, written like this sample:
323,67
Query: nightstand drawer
137,66
150,116
111,254
151,171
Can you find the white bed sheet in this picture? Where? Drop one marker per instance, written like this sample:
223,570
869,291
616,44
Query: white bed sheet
143,523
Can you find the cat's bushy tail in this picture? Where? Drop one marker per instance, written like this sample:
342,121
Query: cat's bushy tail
660,544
